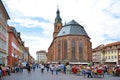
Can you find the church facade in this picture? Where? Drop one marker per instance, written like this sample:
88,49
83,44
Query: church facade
70,43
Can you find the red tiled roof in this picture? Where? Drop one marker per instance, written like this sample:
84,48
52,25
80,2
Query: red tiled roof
112,44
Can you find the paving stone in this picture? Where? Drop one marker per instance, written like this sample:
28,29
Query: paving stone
37,75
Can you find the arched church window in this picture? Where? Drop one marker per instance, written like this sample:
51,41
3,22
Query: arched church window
80,49
58,50
65,49
73,49
58,27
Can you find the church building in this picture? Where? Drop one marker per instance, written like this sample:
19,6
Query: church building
70,43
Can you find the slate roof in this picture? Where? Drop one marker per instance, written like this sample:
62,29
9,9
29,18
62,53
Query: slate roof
72,28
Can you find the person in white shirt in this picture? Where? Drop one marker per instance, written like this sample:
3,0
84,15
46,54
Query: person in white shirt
52,68
42,68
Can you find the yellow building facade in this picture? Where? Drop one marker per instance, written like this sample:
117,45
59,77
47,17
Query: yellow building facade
111,53
108,54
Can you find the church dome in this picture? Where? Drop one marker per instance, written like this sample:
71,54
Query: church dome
72,28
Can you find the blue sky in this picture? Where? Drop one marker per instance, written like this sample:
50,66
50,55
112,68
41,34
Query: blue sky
34,19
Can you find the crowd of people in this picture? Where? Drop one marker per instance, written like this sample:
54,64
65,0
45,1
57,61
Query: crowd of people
56,68
97,70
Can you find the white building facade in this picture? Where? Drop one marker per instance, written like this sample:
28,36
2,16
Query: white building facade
3,34
41,56
97,54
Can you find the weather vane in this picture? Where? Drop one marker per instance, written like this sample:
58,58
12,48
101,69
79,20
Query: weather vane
57,4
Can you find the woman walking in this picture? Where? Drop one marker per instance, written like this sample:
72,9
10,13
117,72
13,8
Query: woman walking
52,68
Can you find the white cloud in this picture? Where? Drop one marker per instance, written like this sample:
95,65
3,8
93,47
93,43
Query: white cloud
36,43
32,8
29,23
100,18
26,22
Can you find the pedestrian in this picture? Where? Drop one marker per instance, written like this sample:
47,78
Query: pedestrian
89,72
21,67
83,71
42,68
52,68
28,67
68,68
47,67
1,73
34,66
17,68
64,69
57,68
37,65
8,70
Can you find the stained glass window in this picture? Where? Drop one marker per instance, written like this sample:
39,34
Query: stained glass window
73,49
80,49
65,49
59,50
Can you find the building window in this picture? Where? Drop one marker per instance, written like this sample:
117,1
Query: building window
80,49
115,46
65,49
106,57
73,49
115,56
1,16
111,51
3,31
63,32
110,47
109,57
3,44
58,50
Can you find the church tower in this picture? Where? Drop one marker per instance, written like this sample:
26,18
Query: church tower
71,43
57,24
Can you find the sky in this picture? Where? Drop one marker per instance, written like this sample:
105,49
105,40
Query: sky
34,19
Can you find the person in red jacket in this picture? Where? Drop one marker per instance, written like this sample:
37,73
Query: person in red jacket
74,69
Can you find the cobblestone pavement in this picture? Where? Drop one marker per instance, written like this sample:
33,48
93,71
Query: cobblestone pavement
37,75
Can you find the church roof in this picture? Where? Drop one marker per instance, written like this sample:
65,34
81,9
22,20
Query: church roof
72,28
